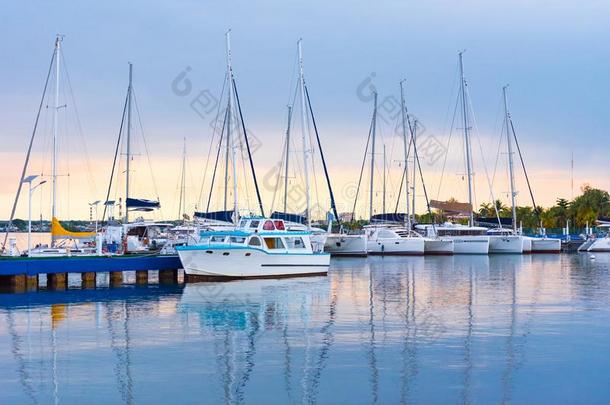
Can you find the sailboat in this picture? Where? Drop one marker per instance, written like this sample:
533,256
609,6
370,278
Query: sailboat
467,239
339,243
139,235
387,233
504,240
60,237
433,244
256,246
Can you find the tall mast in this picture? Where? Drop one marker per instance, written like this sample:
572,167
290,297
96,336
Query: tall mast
182,202
128,149
384,174
414,167
466,138
406,151
287,156
304,132
373,156
55,135
229,140
511,169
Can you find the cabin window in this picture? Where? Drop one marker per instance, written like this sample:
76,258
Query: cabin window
386,234
254,241
242,223
268,226
217,239
254,224
274,243
279,225
238,239
295,243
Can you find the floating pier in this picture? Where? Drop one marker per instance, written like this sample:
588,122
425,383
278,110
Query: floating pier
23,273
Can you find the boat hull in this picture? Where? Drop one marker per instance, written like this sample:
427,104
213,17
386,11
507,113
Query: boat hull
396,246
438,246
346,245
505,244
470,245
237,263
546,245
527,244
600,245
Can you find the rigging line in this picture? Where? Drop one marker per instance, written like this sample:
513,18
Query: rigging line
527,179
27,156
402,180
222,131
476,132
116,154
243,124
366,149
152,175
440,183
205,170
330,189
243,165
80,131
313,161
493,178
279,176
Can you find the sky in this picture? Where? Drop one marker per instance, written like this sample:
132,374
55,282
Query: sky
551,54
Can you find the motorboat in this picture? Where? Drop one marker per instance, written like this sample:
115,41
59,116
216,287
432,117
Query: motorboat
258,248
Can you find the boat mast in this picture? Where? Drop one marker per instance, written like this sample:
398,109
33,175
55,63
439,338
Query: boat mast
55,126
466,138
373,156
384,175
182,202
229,140
128,148
304,132
406,147
287,157
511,169
414,167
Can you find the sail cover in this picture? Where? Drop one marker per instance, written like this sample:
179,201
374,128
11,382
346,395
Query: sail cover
296,218
389,217
493,221
140,204
224,216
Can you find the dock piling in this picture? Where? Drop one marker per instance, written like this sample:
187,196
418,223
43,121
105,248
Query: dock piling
141,277
88,280
168,276
57,281
116,278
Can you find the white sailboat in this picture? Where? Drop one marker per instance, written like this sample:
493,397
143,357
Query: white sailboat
433,244
387,237
502,240
467,239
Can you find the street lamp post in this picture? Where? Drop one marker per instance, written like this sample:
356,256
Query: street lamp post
95,204
29,180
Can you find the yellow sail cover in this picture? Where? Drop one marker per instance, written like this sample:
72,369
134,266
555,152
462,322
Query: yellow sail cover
59,231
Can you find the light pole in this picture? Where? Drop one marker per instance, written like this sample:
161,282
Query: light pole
95,204
29,180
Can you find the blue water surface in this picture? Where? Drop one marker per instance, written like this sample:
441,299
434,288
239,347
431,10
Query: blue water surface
461,329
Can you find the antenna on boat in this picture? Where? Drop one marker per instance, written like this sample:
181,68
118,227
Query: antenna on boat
511,169
406,151
304,132
128,141
373,129
466,136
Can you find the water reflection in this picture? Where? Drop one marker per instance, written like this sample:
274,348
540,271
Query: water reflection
381,330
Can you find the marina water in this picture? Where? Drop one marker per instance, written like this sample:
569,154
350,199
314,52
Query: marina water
454,329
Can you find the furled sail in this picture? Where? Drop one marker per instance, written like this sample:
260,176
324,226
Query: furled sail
59,232
389,217
223,216
288,217
140,204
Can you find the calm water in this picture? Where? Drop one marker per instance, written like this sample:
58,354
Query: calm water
521,329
